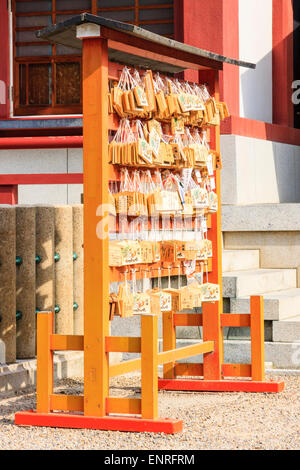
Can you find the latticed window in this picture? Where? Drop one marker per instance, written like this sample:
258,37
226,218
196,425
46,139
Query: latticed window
47,77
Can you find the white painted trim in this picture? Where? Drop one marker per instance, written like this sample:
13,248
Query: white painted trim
88,30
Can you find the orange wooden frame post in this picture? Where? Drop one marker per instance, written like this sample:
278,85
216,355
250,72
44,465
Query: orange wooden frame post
149,367
169,342
44,375
96,243
257,338
212,330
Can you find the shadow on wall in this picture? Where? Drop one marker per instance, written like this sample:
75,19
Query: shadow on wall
287,170
256,91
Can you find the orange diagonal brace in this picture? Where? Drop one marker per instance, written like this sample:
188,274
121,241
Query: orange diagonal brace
163,358
182,353
124,367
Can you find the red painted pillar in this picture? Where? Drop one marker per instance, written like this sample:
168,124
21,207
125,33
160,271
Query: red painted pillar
230,79
212,26
4,62
9,194
283,111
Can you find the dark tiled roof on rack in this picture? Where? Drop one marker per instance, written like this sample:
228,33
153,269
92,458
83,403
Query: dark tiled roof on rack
65,33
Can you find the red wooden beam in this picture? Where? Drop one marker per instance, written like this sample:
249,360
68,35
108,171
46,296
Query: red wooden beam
107,423
235,320
220,385
47,178
8,194
144,48
7,143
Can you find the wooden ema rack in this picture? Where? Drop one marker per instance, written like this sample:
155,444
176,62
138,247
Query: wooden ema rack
96,409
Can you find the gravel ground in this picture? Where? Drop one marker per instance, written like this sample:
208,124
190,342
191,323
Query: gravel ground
211,421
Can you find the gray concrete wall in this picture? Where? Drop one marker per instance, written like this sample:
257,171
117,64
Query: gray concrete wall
274,229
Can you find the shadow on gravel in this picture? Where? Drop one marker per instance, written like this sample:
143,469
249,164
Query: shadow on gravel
26,400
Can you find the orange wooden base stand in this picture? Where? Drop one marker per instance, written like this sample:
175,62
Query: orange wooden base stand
106,423
195,385
119,414
214,375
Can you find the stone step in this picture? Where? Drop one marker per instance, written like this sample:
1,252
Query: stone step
21,375
278,305
287,330
257,281
281,355
238,260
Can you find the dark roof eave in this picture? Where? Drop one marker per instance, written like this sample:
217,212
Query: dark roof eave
65,33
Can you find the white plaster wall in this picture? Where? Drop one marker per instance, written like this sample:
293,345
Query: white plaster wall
44,161
258,171
254,172
75,165
255,42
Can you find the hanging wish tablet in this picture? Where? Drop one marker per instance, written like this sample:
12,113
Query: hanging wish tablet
154,141
204,224
212,202
141,300
198,176
210,165
210,292
190,267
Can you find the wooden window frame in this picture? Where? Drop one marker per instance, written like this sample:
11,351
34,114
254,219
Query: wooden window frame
23,110
55,109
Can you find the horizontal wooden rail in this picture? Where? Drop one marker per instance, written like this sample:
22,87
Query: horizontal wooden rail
123,405
66,402
113,404
235,319
122,344
66,343
188,369
196,370
188,319
133,344
236,370
227,319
